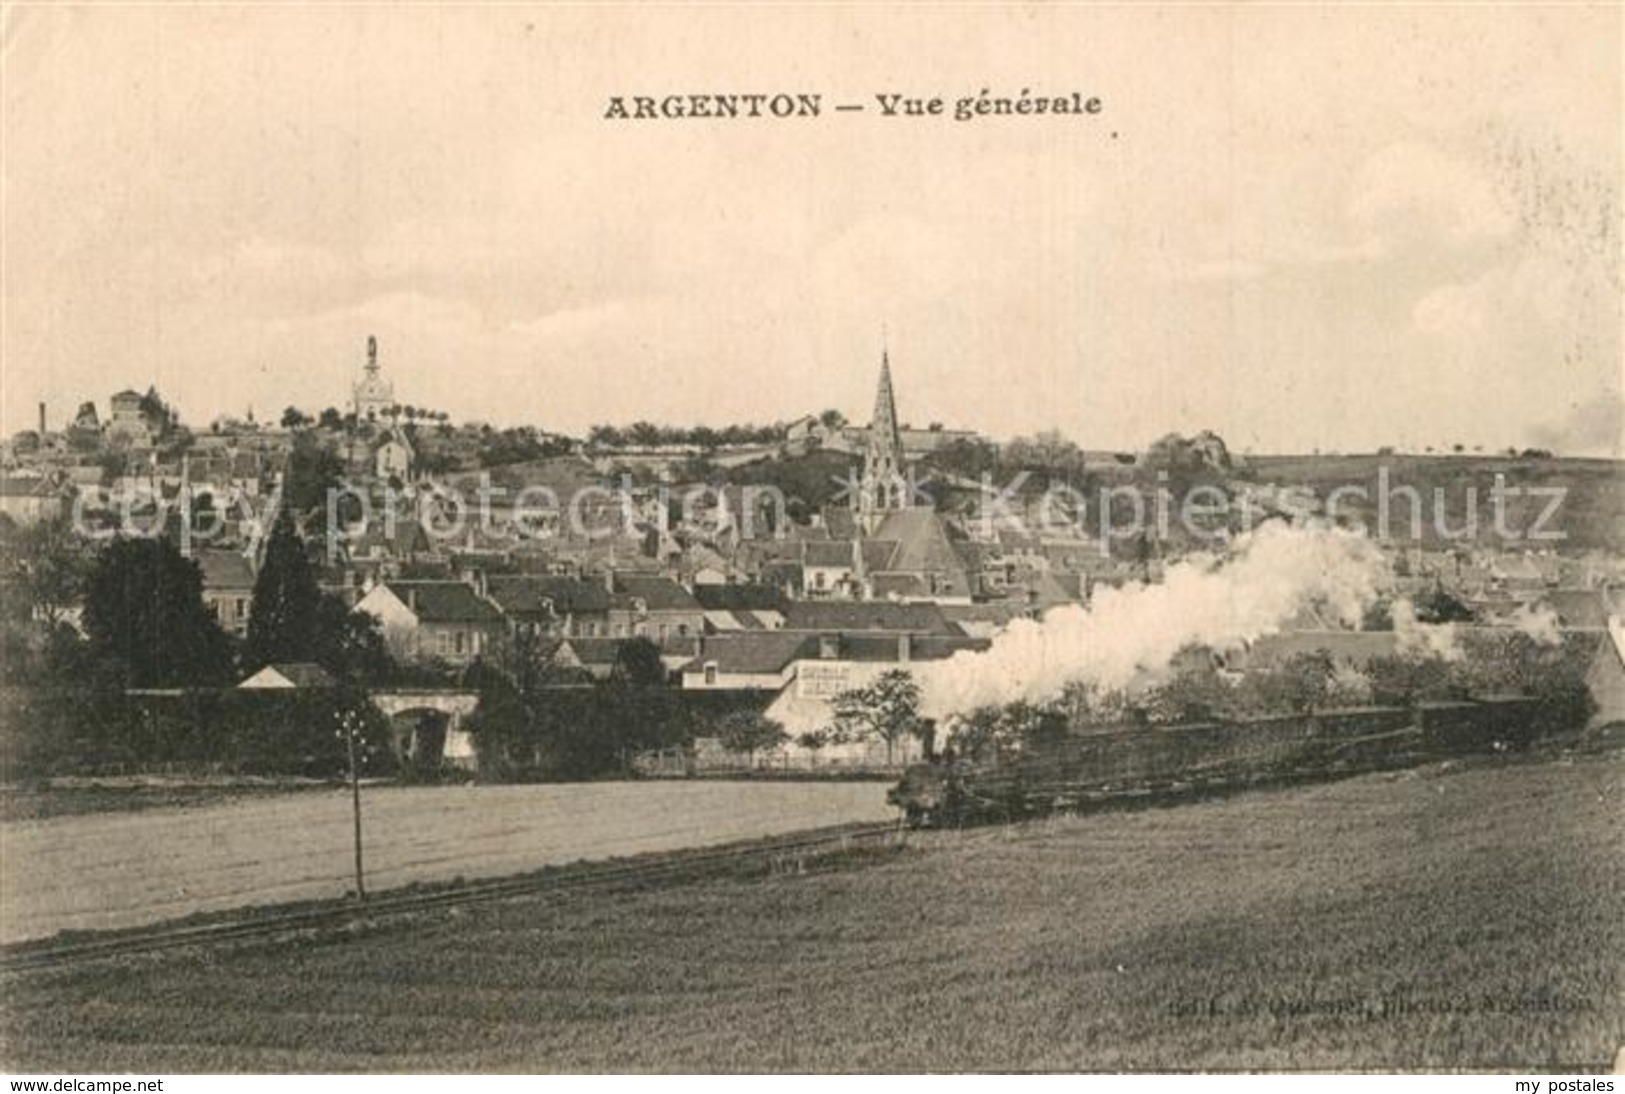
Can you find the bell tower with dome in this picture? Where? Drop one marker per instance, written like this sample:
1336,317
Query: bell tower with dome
373,395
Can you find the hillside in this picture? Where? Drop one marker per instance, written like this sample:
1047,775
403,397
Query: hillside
1591,515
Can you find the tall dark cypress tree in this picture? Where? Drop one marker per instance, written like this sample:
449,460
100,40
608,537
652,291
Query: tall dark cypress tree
282,622
145,615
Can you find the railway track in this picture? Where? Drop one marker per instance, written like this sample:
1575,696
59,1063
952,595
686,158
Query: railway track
660,868
1008,796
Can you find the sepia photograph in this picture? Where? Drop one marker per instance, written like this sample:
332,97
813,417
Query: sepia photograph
727,539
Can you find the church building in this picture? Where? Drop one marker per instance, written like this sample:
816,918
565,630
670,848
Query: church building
900,547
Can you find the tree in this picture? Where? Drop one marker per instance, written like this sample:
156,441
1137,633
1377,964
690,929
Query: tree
501,719
1085,704
887,708
518,445
695,468
1301,683
750,732
350,644
432,463
1379,614
1439,606
967,457
205,520
1348,687
314,471
54,567
813,741
158,414
282,619
832,420
605,436
645,434
144,611
638,664
995,731
1049,450
1401,679
1194,692
331,419
294,418
113,462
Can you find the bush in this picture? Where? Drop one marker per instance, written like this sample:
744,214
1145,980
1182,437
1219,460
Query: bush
574,732
999,732
200,731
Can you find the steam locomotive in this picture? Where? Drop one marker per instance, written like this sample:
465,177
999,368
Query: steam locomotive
1073,771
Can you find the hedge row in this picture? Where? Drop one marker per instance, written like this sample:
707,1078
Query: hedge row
205,731
593,732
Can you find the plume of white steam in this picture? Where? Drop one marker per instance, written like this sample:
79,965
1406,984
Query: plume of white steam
1413,638
1268,577
1539,623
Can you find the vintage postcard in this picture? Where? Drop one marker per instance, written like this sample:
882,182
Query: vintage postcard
898,539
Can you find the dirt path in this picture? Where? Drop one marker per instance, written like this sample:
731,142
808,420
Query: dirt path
117,870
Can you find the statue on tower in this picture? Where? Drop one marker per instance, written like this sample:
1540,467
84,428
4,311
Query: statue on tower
374,395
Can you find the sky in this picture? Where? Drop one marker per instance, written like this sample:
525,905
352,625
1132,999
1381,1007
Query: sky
1302,228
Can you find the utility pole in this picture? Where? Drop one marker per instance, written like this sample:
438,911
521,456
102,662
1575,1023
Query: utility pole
347,719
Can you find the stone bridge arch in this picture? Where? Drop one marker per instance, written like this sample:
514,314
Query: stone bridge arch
430,725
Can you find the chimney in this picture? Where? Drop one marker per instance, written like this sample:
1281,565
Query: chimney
411,598
42,418
905,647
609,582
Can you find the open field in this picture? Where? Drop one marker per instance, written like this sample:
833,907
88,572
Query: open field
1589,512
134,794
106,870
1442,918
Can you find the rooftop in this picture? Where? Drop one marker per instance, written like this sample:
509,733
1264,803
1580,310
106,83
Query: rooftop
657,594
298,674
444,602
741,597
224,569
753,653
527,594
872,615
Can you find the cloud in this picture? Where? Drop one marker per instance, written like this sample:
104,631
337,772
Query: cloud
1414,188
1595,426
232,226
573,324
1217,269
1452,311
1517,297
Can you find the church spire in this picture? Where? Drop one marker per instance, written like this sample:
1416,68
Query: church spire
884,487
883,424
